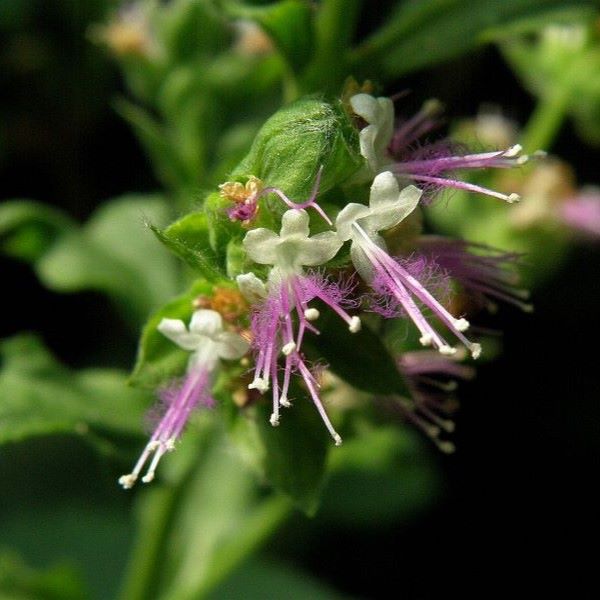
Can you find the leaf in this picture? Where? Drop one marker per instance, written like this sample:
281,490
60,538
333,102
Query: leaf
28,229
41,397
359,358
263,578
425,32
158,358
290,25
111,253
380,476
196,532
291,457
189,238
20,582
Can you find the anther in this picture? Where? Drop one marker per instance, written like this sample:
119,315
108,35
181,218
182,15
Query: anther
288,348
274,420
259,384
311,314
447,350
461,324
354,325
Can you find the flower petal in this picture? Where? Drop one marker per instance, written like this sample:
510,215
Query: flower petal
251,287
350,213
206,322
389,206
375,138
231,346
294,223
261,246
319,249
176,331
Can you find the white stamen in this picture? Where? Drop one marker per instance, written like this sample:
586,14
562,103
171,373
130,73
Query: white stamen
337,439
127,481
475,350
447,350
285,402
425,340
274,419
513,151
260,384
461,324
523,159
512,198
148,477
354,325
170,445
311,314
288,348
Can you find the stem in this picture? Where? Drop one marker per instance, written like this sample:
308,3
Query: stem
546,120
259,527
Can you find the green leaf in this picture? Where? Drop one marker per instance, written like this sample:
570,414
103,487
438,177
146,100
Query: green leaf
290,25
296,141
111,253
20,582
262,578
28,229
158,358
41,397
425,32
380,476
189,238
194,533
359,358
291,457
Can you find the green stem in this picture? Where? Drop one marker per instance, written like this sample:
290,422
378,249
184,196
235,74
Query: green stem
143,569
546,120
259,527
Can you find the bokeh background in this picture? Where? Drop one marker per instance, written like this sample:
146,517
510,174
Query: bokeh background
512,506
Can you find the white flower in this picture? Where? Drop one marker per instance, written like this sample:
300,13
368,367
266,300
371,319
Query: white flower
388,206
292,248
376,136
205,338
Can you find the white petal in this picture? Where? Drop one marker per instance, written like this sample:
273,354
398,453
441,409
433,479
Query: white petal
176,331
389,206
294,223
350,213
261,246
251,287
206,322
318,249
375,138
361,263
231,346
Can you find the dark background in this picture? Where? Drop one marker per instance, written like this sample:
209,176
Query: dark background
519,503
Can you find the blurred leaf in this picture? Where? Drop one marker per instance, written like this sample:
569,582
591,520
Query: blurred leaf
359,358
158,358
196,533
19,582
191,29
289,23
28,229
421,33
40,396
291,457
263,578
155,139
113,253
189,238
380,476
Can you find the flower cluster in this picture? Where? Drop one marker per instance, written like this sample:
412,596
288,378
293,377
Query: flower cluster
380,268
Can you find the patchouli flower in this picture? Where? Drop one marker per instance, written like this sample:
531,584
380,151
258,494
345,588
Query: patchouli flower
208,343
581,212
389,277
486,273
432,166
431,379
246,197
281,313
